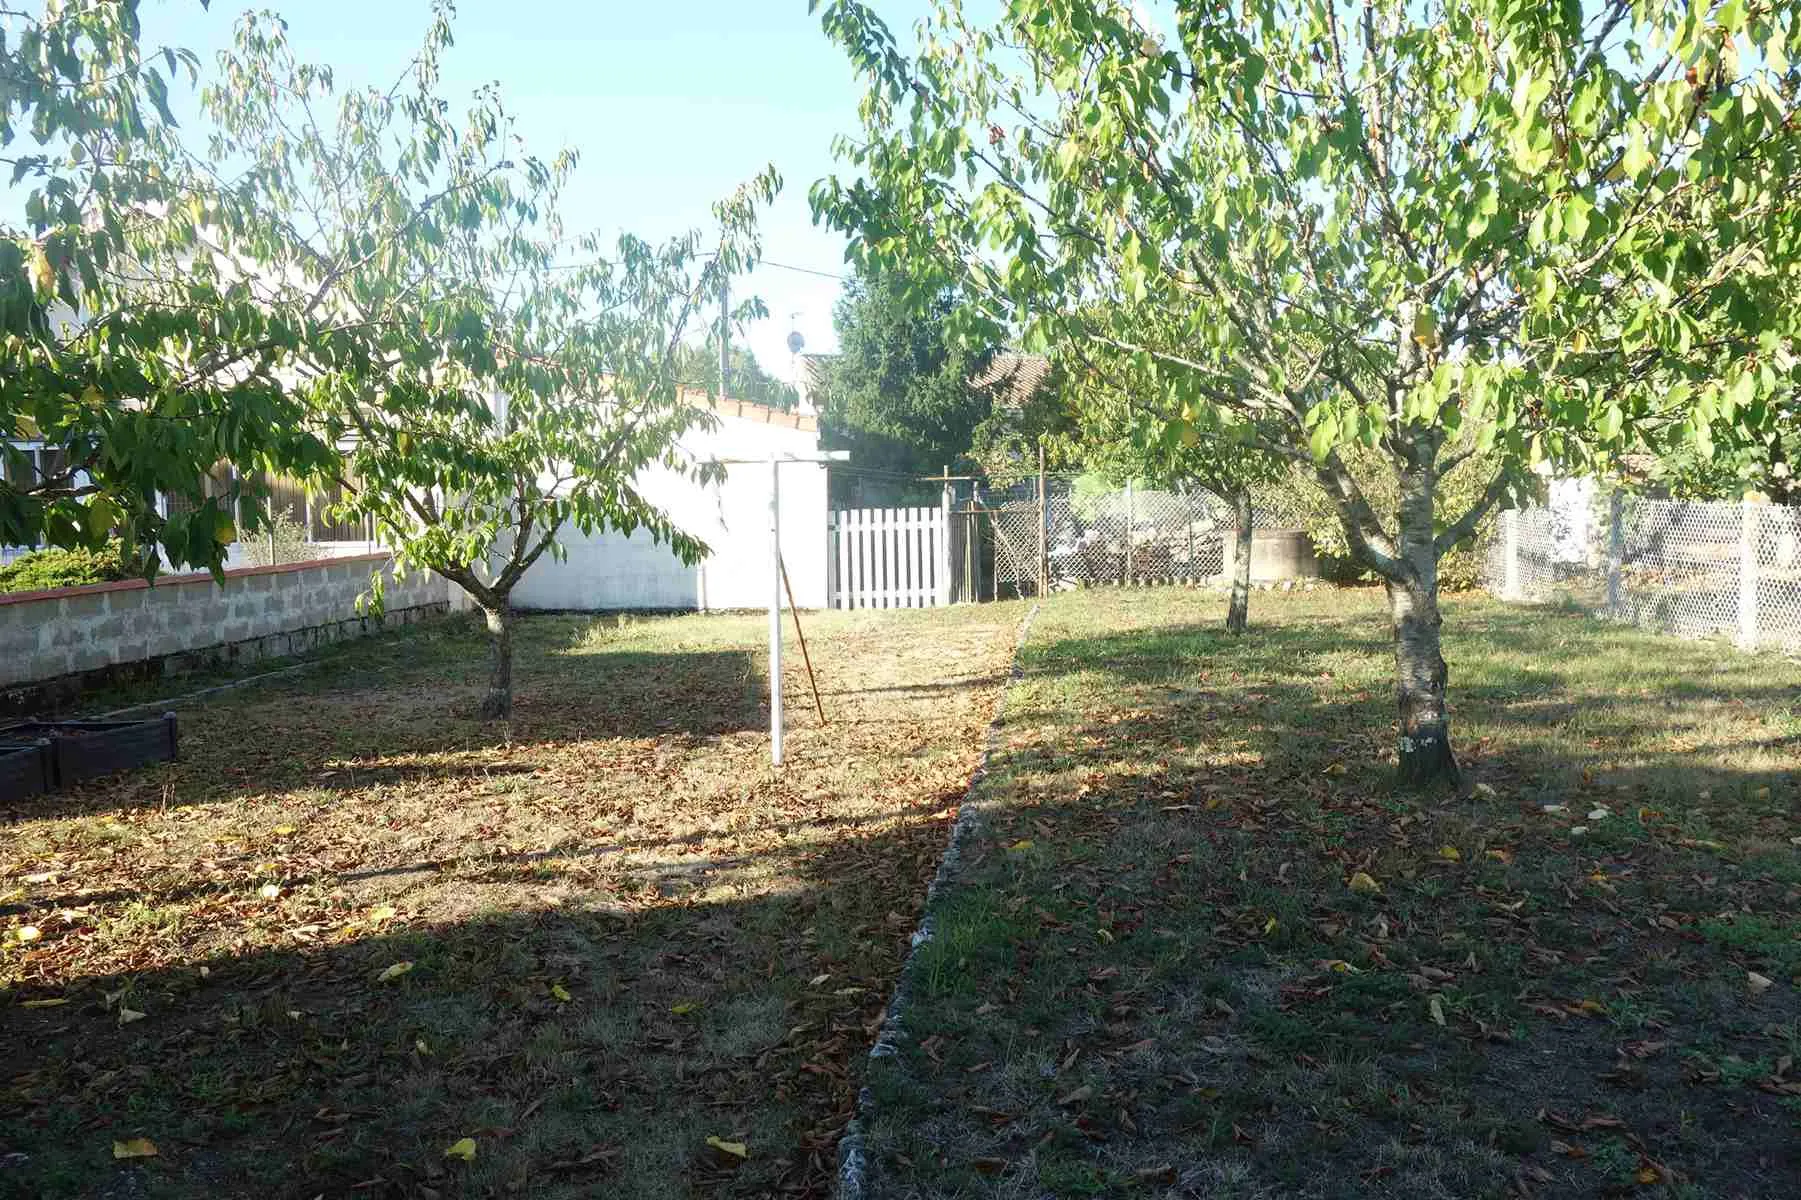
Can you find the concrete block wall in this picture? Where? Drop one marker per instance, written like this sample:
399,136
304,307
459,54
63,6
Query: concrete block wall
186,621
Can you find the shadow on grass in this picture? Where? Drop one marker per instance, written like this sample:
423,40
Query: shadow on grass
412,722
1154,968
1631,713
588,1048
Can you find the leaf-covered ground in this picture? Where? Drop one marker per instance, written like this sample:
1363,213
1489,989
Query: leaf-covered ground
1201,949
354,927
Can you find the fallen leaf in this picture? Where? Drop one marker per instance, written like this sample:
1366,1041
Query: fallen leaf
1270,926
463,1148
1450,854
561,993
394,972
1335,770
47,1002
1021,846
1647,1175
684,1008
384,912
28,933
270,891
1365,884
284,830
736,1150
1757,983
1436,1007
135,1148
1483,790
128,1015
1076,1097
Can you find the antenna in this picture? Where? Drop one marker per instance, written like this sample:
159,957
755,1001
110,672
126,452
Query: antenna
796,343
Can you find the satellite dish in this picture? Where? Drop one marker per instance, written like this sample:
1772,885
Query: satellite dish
795,342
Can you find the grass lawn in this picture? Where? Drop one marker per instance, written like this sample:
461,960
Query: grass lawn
1199,948
354,926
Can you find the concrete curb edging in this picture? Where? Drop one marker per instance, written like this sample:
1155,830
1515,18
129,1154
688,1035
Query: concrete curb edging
853,1157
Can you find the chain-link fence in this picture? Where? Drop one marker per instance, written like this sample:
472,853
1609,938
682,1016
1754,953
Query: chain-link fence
1686,568
1086,536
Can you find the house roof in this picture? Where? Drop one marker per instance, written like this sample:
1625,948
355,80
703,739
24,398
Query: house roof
745,410
1013,379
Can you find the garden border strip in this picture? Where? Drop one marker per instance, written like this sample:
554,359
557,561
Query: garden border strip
853,1158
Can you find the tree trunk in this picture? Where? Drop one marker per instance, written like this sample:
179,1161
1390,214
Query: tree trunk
1424,742
1238,612
498,703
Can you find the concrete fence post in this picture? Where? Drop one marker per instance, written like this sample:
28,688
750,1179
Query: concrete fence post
1127,572
1510,543
1616,551
1747,575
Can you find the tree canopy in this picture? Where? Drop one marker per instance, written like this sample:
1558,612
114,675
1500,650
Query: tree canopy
898,394
1542,233
143,388
494,392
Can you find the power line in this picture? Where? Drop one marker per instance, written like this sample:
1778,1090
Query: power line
764,262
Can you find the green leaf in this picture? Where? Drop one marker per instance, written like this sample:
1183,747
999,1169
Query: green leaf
1576,212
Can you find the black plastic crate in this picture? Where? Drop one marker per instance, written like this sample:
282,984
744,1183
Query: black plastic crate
26,769
81,750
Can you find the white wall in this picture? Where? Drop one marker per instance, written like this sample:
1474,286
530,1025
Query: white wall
610,571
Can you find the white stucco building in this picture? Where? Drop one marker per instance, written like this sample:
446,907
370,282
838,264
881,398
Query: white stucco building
613,571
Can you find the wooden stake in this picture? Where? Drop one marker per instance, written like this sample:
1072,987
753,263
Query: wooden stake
801,634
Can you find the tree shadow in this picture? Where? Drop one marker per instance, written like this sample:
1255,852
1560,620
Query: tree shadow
1539,699
416,725
589,1044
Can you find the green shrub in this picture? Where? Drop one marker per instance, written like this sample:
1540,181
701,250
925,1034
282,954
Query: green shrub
1458,570
43,570
290,543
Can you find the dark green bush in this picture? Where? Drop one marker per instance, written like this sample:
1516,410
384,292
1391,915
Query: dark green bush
42,570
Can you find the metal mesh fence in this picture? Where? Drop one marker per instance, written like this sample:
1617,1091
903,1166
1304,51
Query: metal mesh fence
1686,568
1125,535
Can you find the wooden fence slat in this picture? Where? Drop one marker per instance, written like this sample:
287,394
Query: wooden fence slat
888,580
887,557
916,559
854,541
909,530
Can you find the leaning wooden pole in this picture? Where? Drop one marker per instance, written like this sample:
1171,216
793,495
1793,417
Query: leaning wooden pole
818,705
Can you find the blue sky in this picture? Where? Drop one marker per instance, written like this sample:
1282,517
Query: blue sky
671,104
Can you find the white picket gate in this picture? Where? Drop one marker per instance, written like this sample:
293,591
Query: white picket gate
889,557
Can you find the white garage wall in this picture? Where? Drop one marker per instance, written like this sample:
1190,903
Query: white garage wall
609,571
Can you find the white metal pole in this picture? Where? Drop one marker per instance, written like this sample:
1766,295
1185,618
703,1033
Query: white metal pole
775,610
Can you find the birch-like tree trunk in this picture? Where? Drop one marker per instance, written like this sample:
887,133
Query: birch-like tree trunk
1239,610
498,702
1424,735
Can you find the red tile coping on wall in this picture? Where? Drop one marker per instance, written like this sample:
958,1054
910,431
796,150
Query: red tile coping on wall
129,585
750,411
